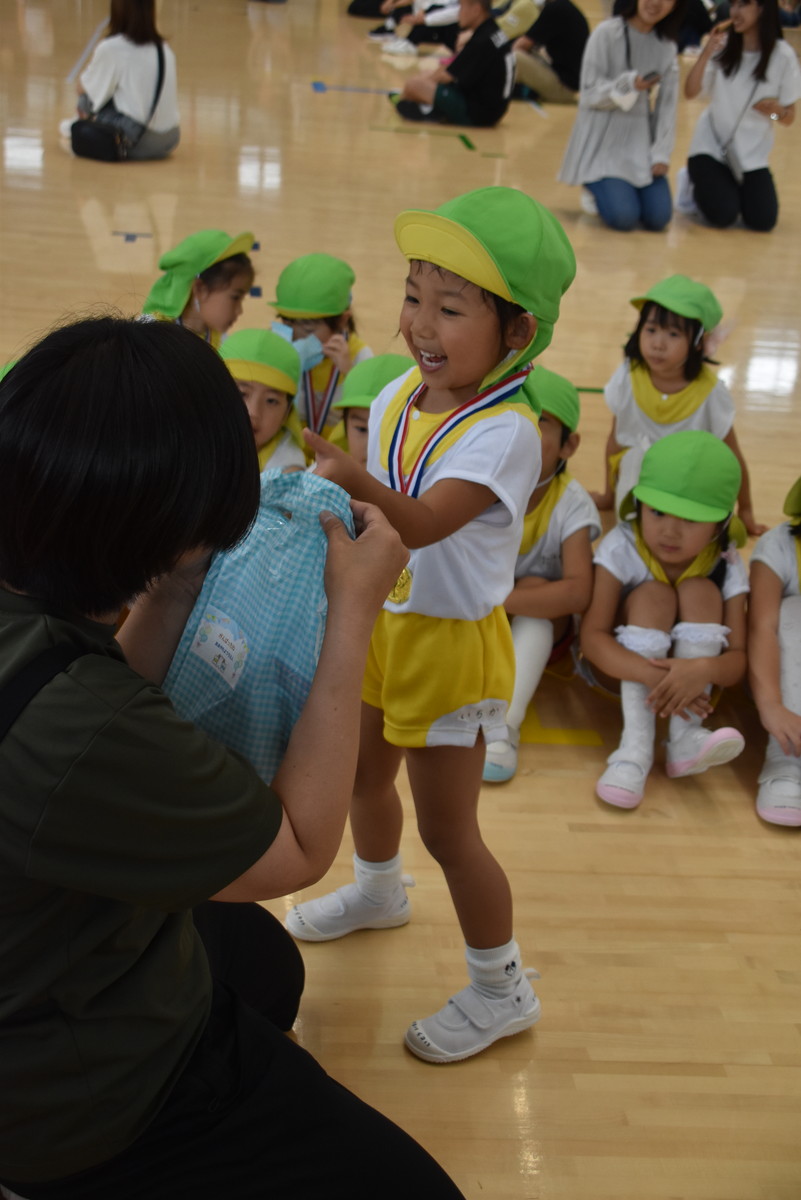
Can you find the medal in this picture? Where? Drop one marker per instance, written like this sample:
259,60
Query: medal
402,589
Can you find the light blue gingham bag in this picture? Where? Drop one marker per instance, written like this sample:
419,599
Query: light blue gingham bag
245,661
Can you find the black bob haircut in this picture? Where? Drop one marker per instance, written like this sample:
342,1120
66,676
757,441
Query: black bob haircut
665,318
667,29
123,444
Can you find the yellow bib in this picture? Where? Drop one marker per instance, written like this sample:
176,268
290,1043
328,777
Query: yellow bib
702,565
668,410
537,521
423,424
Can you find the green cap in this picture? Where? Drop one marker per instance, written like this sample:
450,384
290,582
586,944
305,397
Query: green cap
690,474
501,240
182,265
684,296
315,285
364,381
557,396
6,367
263,356
792,505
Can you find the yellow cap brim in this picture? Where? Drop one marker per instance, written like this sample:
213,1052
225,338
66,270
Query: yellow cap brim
241,244
435,239
253,372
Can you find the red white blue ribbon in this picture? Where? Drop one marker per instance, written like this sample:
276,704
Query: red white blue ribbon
410,484
315,416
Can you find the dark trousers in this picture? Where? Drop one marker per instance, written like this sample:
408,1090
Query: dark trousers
254,1117
722,199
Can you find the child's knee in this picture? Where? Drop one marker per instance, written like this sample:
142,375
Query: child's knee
699,599
652,605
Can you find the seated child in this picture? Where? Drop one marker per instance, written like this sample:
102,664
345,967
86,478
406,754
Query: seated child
266,368
206,278
665,384
774,662
313,297
359,391
475,88
553,574
668,579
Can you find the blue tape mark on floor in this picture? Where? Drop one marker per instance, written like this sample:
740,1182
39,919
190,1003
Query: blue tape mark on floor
129,237
255,292
319,86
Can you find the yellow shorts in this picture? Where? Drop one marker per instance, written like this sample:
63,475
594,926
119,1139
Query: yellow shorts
438,681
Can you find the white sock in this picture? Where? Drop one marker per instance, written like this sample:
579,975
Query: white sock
426,109
494,973
639,723
777,763
377,881
692,639
533,641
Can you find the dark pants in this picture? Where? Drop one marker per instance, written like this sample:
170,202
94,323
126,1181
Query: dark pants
254,1117
722,199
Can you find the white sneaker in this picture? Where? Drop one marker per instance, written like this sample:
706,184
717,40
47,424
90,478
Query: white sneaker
500,762
685,194
65,127
697,749
588,204
622,784
779,799
399,46
346,910
469,1022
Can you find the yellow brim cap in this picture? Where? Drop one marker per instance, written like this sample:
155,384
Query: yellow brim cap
432,238
253,372
792,504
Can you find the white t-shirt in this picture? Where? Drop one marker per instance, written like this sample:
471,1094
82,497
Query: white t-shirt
127,74
634,428
618,553
287,453
732,106
465,576
573,511
777,550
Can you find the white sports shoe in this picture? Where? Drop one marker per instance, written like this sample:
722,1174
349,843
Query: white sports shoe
779,799
65,127
346,910
500,762
469,1022
697,749
587,202
622,784
399,45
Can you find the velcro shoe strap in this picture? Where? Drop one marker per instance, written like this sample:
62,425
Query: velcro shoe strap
477,1010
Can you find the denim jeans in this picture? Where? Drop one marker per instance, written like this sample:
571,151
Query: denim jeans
623,206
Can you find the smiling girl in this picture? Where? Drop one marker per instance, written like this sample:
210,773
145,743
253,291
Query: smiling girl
667,616
623,136
754,81
665,384
453,456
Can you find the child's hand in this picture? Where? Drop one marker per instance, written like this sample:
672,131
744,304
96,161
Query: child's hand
753,528
336,348
360,573
784,725
332,462
682,688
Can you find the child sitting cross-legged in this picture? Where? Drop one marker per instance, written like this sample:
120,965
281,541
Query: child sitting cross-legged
667,616
553,574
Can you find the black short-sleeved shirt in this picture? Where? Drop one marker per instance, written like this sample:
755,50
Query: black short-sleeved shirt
484,71
562,30
116,818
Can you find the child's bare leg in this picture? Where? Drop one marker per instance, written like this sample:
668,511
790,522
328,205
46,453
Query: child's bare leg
698,634
649,612
420,88
377,900
445,782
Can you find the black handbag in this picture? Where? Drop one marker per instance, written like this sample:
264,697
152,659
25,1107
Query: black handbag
92,138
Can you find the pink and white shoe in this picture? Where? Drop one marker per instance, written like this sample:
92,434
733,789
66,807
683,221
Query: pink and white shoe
696,749
622,784
779,799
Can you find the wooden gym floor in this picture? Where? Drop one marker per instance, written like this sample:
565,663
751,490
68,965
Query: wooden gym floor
667,1064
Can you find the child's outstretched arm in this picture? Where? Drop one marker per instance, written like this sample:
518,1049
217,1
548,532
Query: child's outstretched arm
533,596
745,508
685,680
439,512
605,500
764,659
